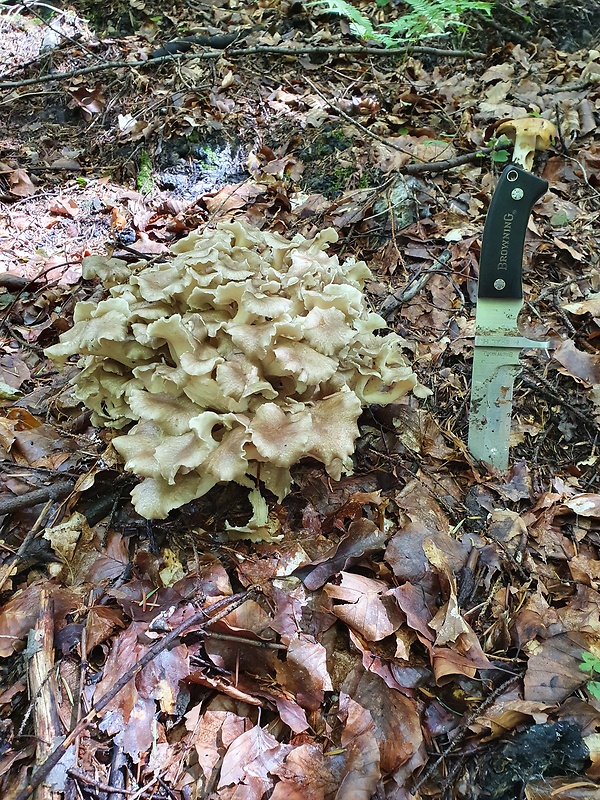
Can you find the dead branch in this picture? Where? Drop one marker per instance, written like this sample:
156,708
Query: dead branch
448,163
556,288
224,637
29,284
10,566
78,44
354,122
414,286
543,386
511,34
100,787
285,52
9,504
574,86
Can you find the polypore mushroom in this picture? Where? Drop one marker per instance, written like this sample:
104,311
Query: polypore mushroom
528,135
240,356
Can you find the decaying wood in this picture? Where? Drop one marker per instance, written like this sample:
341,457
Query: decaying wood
11,503
44,691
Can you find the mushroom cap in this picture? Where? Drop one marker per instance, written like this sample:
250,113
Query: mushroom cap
528,134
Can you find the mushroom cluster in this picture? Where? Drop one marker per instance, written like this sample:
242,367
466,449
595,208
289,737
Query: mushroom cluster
240,355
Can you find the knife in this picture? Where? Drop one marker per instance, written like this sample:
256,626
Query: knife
498,343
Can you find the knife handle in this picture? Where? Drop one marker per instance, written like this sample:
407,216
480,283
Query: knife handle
501,261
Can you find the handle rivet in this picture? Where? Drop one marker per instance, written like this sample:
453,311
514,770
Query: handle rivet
512,175
517,194
499,284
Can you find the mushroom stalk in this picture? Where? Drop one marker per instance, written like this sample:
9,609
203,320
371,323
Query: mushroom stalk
528,134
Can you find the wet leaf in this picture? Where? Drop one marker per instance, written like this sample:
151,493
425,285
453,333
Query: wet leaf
553,668
364,538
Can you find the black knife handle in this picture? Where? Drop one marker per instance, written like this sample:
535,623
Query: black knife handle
501,262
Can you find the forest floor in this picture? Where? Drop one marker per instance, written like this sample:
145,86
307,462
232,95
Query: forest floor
424,627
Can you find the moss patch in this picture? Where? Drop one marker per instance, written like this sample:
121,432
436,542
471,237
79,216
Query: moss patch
144,180
328,158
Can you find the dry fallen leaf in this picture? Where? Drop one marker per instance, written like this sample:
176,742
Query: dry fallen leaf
585,505
250,762
364,608
584,367
591,305
306,774
20,183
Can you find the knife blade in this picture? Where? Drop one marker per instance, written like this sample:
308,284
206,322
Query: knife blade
498,343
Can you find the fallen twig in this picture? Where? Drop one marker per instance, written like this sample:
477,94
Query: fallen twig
574,86
408,169
414,286
59,12
484,19
12,564
25,287
354,122
118,765
461,732
448,163
9,504
13,282
224,637
543,386
100,787
202,618
42,683
286,52
556,288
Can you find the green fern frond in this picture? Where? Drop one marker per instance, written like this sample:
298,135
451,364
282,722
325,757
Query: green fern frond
360,25
426,18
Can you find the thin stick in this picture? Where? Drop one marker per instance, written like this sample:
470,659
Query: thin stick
356,124
492,23
205,617
7,569
544,386
10,503
224,637
556,288
574,86
461,732
448,163
101,787
63,36
408,169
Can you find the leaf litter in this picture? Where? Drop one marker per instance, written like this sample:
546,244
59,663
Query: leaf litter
421,624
